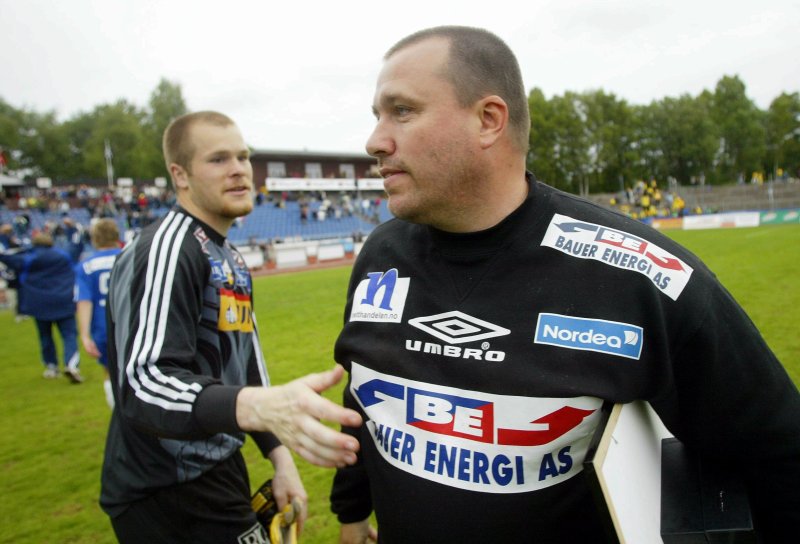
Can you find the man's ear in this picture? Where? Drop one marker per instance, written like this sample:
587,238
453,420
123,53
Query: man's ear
180,177
493,112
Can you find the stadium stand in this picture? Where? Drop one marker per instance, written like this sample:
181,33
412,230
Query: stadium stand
717,198
767,196
266,223
277,235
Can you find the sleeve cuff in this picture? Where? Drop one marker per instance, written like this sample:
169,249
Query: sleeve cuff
266,442
215,408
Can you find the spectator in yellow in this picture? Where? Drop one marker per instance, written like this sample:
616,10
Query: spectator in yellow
677,205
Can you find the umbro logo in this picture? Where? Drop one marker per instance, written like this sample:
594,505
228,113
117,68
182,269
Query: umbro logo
457,327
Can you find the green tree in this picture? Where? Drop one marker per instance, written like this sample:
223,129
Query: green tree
742,136
11,128
166,103
649,159
558,147
47,148
783,134
686,136
541,149
609,123
122,124
571,156
37,144
78,130
33,143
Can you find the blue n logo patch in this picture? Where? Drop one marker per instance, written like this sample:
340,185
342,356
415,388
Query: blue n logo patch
378,280
388,290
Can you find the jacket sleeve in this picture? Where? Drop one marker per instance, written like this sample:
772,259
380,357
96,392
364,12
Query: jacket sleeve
12,260
735,404
350,498
215,411
155,304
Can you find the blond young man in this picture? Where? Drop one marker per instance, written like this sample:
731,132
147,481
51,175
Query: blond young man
187,369
91,290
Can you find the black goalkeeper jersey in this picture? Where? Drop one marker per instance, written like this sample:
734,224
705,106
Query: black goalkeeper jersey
479,362
182,343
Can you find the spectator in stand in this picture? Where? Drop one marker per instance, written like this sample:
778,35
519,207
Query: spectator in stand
22,226
10,244
7,238
46,283
91,291
71,233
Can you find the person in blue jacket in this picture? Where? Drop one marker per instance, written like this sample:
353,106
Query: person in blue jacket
46,285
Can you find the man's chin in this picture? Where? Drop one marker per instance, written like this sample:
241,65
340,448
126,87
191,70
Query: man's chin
401,210
238,209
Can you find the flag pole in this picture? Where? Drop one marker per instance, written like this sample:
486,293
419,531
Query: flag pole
109,166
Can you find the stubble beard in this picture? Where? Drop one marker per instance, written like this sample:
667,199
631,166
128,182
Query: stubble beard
236,210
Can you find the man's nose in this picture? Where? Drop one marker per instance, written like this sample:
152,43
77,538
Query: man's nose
240,167
380,143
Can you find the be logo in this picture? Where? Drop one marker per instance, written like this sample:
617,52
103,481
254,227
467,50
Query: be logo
471,418
451,415
381,297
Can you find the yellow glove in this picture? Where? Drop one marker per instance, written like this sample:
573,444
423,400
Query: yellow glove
283,529
282,526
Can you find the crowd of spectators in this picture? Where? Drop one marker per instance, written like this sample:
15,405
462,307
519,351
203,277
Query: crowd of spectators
320,206
98,202
645,200
53,210
133,207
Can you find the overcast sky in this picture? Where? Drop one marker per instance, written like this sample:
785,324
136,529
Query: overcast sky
300,74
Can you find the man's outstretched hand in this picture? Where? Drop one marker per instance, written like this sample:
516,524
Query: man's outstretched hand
293,412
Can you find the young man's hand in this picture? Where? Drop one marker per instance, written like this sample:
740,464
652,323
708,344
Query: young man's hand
293,412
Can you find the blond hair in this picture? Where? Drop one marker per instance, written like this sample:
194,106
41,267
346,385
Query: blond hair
104,233
42,239
177,144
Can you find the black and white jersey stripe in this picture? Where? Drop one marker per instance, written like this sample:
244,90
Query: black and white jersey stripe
144,376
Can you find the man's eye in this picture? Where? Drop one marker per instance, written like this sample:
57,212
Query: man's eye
402,110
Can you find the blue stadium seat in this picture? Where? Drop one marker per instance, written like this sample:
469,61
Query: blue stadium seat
264,223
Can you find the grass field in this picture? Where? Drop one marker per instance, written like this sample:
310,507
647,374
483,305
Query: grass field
53,432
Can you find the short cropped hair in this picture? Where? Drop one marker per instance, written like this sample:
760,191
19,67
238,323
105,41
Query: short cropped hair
104,233
42,239
177,145
481,64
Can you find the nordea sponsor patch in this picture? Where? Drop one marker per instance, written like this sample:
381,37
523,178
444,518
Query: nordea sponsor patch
598,335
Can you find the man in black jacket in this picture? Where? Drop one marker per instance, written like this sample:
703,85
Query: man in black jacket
487,324
187,371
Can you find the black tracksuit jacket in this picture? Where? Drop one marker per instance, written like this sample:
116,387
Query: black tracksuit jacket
182,343
480,361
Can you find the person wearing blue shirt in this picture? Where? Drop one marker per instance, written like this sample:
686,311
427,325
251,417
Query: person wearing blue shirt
46,286
91,291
